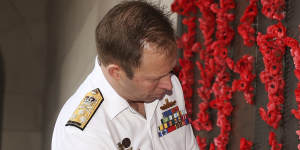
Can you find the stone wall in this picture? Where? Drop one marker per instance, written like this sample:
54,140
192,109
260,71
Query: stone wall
23,36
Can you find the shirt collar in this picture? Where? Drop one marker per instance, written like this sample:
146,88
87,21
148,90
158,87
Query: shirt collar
113,103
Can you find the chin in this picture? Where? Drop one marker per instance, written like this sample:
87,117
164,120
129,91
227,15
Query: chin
152,99
160,97
149,100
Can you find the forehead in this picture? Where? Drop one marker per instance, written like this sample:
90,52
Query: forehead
156,62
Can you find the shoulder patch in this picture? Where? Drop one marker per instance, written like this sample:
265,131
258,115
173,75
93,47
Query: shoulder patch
86,109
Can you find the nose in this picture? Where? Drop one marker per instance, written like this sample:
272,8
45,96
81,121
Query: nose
165,83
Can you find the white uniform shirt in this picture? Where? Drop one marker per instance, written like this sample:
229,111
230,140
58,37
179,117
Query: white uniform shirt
116,126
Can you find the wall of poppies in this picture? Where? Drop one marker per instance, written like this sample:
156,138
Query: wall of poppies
239,70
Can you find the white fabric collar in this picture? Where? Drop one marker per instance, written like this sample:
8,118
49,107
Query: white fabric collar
113,102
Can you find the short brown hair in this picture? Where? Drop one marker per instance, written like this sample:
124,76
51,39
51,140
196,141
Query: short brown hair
122,33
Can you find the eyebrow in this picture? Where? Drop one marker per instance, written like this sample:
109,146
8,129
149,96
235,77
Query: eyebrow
172,70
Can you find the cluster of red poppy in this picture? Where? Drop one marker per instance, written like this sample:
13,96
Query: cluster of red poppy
213,72
214,59
224,31
224,108
273,9
207,22
189,46
295,52
201,142
186,74
272,47
220,88
244,67
245,29
184,7
245,144
206,25
273,142
203,119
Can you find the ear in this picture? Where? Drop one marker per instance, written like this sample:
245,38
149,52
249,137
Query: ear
114,71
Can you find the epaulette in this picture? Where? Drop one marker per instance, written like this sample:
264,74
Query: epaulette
86,109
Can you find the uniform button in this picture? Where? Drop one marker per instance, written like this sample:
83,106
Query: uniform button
126,142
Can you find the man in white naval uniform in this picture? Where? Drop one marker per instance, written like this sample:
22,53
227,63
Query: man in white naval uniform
131,100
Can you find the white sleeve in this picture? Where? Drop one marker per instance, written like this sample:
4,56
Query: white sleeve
75,139
191,143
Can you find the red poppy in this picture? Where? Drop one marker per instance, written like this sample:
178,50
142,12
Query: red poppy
277,29
223,76
272,118
273,142
202,122
184,7
226,109
296,113
277,99
264,76
188,92
243,86
249,97
297,62
274,9
212,146
188,39
297,94
247,75
275,68
225,34
291,42
205,124
235,85
247,33
298,133
196,47
215,103
188,53
203,116
201,142
204,93
230,63
196,125
188,106
250,13
245,144
190,22
272,87
263,113
216,89
226,93
221,141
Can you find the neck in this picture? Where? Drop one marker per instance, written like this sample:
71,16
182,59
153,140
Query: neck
139,107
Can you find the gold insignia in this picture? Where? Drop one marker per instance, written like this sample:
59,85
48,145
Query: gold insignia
167,104
86,109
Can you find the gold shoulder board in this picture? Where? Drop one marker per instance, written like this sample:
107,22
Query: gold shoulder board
86,109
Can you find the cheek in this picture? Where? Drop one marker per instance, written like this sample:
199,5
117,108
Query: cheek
149,85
